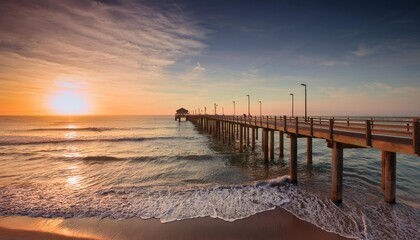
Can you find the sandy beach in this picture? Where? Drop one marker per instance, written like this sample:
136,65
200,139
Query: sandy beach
276,224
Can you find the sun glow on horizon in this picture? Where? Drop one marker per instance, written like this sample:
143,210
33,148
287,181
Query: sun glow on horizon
69,102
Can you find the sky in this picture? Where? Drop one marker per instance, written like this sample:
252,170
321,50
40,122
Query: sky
152,57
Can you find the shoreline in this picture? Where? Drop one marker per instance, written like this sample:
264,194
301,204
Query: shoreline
274,224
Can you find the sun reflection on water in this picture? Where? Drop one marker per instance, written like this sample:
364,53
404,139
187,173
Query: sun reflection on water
70,135
72,152
73,180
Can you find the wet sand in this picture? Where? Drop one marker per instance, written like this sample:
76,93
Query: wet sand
276,224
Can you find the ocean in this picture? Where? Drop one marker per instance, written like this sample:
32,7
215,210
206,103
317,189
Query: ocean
154,167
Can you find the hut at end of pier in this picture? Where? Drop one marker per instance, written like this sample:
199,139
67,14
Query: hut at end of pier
182,112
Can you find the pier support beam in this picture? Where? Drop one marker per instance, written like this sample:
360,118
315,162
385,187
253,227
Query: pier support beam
337,172
229,134
383,170
390,176
232,132
241,139
271,145
247,137
262,138
293,158
253,139
237,130
244,136
281,144
265,144
309,150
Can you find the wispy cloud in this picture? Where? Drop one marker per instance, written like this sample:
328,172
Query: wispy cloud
362,51
196,73
386,89
96,36
321,61
251,72
329,63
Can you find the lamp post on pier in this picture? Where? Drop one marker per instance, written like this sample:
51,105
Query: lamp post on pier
205,110
223,111
303,84
215,109
234,110
293,103
249,114
260,108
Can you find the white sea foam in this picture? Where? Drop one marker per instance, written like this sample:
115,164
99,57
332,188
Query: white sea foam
229,203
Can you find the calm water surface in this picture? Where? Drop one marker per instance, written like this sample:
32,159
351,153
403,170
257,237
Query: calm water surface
154,167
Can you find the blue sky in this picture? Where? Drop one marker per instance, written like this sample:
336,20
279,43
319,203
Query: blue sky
344,51
138,57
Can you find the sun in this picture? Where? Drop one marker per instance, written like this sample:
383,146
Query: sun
69,102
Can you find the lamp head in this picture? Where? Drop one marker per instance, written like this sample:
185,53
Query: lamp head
303,84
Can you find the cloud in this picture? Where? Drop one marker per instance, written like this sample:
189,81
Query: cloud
334,92
329,63
251,72
99,37
321,61
386,89
196,73
362,51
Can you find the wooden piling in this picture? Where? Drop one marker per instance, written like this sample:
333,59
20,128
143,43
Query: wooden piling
229,134
330,129
219,132
293,158
223,130
265,147
247,136
262,138
383,170
309,150
256,133
368,133
337,172
281,144
241,139
416,136
271,145
390,176
253,139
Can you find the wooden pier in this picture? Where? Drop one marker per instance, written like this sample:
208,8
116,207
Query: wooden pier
390,135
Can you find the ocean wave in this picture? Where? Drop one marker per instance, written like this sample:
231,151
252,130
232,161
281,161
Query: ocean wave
104,158
93,129
227,202
101,158
230,203
25,141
